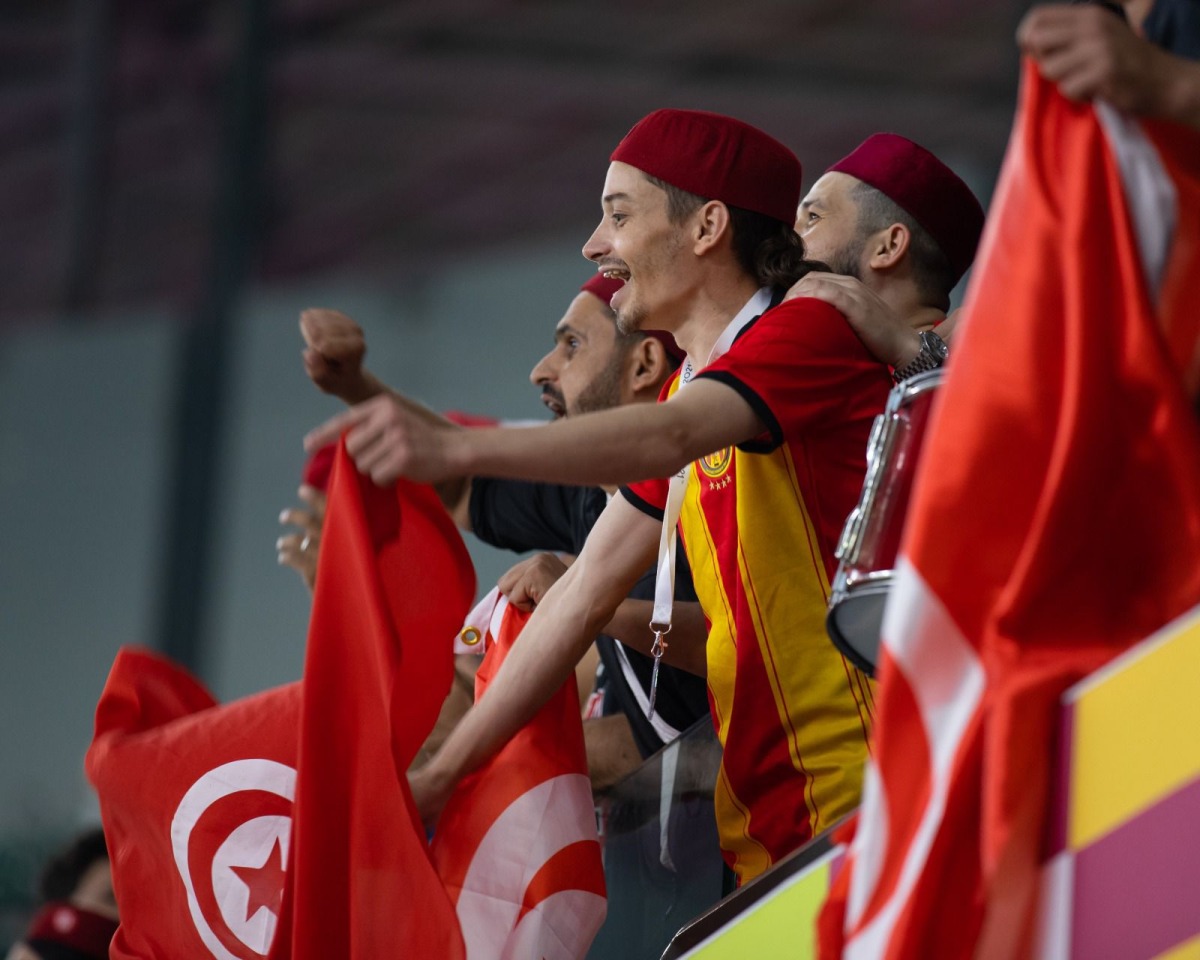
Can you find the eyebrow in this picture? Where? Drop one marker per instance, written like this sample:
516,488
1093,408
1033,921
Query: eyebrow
565,330
808,204
609,198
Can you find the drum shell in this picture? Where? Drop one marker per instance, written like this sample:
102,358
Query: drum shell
871,538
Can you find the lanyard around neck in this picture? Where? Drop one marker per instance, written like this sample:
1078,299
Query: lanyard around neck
664,581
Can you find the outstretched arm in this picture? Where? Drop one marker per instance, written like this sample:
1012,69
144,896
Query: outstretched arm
388,439
563,625
334,350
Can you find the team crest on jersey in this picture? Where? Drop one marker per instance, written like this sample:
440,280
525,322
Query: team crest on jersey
715,464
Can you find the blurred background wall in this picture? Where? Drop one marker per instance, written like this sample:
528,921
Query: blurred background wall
179,178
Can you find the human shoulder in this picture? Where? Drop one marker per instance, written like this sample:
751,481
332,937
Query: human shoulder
803,323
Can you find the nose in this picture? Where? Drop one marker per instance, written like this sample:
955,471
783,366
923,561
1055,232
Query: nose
543,370
597,245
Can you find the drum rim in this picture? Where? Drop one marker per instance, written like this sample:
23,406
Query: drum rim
880,585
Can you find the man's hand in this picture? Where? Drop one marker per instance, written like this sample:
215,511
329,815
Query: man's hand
333,354
883,332
430,791
389,437
300,550
1088,52
527,583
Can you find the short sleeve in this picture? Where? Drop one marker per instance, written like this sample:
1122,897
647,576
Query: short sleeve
649,496
518,515
798,366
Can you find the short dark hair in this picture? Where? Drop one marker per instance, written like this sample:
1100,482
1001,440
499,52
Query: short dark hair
66,868
934,275
768,249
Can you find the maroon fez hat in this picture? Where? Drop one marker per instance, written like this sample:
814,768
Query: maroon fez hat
716,157
918,182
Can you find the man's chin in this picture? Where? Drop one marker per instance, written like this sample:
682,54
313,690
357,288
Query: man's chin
628,322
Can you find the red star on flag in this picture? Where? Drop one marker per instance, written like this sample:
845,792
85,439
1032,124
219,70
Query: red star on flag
264,883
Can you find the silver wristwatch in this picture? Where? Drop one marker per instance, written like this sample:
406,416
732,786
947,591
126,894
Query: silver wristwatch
932,355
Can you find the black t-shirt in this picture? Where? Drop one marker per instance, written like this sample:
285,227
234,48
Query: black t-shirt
518,515
1174,25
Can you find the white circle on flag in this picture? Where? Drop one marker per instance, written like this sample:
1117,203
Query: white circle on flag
538,824
246,846
250,845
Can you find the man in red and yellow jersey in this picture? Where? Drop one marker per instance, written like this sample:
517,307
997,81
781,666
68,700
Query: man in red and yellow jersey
760,521
774,404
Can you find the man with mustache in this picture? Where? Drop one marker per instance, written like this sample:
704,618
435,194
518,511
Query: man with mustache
591,367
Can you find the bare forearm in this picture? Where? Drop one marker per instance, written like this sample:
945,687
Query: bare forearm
631,443
686,643
562,627
618,446
553,641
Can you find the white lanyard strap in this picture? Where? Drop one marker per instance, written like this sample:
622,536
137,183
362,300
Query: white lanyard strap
664,581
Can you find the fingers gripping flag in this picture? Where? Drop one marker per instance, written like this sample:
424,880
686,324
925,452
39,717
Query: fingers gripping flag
393,584
1055,522
196,800
516,845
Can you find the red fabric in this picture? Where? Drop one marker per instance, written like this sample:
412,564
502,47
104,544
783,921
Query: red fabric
516,845
64,923
921,184
318,466
716,157
1055,522
393,586
196,795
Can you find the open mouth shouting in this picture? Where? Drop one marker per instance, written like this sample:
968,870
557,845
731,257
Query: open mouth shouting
613,270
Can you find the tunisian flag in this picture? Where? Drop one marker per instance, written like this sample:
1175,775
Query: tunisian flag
516,845
393,584
1055,522
196,801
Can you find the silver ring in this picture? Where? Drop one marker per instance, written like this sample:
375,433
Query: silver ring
305,543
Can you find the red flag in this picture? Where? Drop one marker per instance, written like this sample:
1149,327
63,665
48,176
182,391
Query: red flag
516,845
393,585
196,801
1055,522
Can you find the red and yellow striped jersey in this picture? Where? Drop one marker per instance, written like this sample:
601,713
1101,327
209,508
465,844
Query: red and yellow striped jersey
760,523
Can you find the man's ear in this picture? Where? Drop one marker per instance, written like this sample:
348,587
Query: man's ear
887,248
647,369
710,226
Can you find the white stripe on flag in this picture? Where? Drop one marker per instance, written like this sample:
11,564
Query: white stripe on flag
1052,940
947,680
1150,194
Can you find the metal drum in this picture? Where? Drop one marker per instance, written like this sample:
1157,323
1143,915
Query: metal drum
871,537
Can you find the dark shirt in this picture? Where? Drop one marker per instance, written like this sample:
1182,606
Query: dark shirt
1174,25
518,515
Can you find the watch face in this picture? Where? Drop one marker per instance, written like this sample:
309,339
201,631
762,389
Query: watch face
935,345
